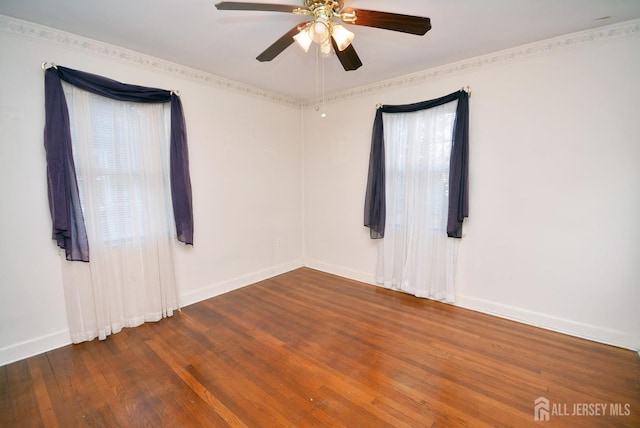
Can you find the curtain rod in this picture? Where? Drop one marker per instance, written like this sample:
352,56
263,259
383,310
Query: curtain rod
53,64
466,89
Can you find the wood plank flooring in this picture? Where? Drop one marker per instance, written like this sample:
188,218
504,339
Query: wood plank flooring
310,349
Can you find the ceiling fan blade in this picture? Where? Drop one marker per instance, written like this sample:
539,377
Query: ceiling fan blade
389,21
267,7
348,57
279,45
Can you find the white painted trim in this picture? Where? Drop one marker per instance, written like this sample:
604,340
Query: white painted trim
549,322
30,348
62,338
236,283
29,30
19,28
524,316
25,29
600,34
341,271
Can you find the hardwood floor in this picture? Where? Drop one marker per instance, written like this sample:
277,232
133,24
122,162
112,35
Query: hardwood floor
311,349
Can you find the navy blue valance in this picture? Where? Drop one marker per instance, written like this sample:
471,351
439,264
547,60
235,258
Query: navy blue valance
67,220
375,201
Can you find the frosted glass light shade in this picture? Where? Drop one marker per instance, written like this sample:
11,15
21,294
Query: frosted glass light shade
325,49
319,30
342,36
303,38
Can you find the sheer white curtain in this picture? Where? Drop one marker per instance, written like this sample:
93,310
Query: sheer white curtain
415,255
121,154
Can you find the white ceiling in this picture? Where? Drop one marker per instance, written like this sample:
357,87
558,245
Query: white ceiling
225,43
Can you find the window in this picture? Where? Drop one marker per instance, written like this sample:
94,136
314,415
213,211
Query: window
124,210
112,163
416,194
121,155
419,146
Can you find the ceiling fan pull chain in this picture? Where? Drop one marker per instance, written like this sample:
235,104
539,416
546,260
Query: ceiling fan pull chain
317,78
323,114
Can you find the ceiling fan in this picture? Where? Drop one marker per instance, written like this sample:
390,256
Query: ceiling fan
325,30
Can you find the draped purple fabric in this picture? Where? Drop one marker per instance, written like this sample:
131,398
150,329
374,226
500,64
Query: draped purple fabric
374,207
459,169
180,177
375,202
64,203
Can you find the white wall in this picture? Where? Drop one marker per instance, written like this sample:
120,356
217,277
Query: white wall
553,237
555,168
244,148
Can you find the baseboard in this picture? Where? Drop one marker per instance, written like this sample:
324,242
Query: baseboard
235,283
33,347
62,338
547,322
356,275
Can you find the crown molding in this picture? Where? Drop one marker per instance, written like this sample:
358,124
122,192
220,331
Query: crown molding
596,35
30,30
25,29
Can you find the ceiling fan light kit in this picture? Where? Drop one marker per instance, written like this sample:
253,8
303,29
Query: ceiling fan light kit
319,30
326,31
342,36
303,38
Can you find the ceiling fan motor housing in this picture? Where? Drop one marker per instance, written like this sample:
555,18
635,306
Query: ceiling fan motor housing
323,12
334,5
